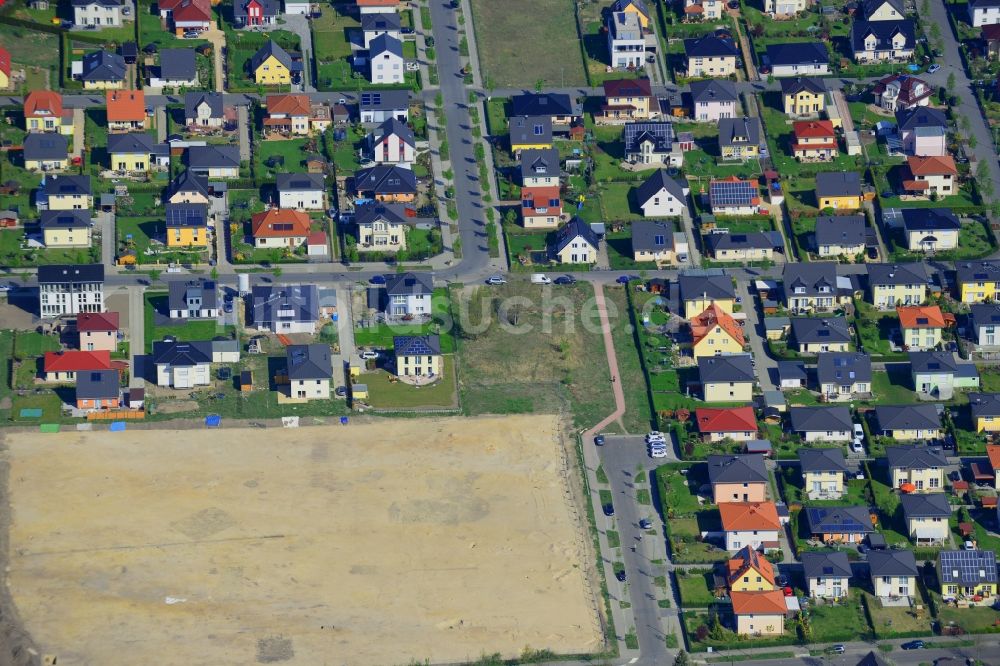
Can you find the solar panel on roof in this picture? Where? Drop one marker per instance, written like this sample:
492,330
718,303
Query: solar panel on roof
732,193
969,564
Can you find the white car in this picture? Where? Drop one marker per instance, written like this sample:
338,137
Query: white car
655,434
657,453
369,354
857,446
496,280
859,432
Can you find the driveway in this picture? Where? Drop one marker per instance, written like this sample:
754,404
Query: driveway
299,24
218,40
766,367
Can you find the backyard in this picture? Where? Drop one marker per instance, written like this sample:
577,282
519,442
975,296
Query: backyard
201,329
385,392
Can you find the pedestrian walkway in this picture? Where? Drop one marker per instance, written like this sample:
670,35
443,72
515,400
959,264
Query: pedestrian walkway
137,336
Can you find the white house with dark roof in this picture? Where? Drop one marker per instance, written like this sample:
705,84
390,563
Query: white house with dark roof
893,573
408,295
821,424
194,299
827,574
309,371
984,12
392,142
926,517
182,364
823,470
812,335
285,308
653,143
662,196
576,243
386,62
98,13
713,100
301,191
844,376
840,235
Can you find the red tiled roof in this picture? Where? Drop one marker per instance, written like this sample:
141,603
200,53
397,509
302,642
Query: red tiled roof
77,361
993,451
813,129
316,238
280,223
932,165
732,419
771,602
533,198
919,316
126,105
4,61
291,105
97,321
628,88
192,10
745,560
45,101
991,32
714,316
748,516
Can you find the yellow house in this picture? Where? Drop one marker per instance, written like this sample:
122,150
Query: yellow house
979,281
576,243
839,190
530,133
749,571
759,613
715,332
68,193
803,97
985,408
418,355
103,70
922,326
701,292
726,378
187,225
632,7
970,575
65,228
921,466
271,65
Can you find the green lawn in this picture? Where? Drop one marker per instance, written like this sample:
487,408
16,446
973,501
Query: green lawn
202,329
381,335
676,495
618,202
980,620
893,387
974,242
7,352
138,233
893,620
695,588
30,344
47,401
33,49
292,151
637,416
385,394
874,328
844,621
780,138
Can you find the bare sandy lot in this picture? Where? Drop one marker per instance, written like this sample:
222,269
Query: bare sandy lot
367,544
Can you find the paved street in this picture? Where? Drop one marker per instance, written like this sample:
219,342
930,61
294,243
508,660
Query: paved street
767,367
136,336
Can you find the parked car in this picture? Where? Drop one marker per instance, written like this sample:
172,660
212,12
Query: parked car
645,524
377,279
838,649
655,434
599,440
857,447
540,278
565,279
191,34
495,280
369,354
625,279
609,509
859,432
933,68
657,453
913,645
620,575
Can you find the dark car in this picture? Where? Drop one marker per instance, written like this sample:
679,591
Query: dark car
599,440
913,645
645,524
406,31
227,307
625,279
565,279
609,509
377,279
620,575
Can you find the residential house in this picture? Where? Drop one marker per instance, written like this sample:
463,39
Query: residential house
379,106
927,517
930,229
750,524
214,161
985,413
393,142
841,235
715,332
70,289
803,97
98,13
46,152
408,295
726,378
251,13
309,371
661,196
563,111
576,243
922,326
97,331
737,478
103,70
182,364
821,424
204,110
815,141
740,138
4,68
186,15
654,240
137,152
377,6
418,355
541,207
840,190
936,374
626,43
383,227
898,284
385,59
844,375
286,308
968,575
984,12
44,112
797,59
710,55
296,115
734,196
193,299
821,334
823,470
64,366
893,572
978,282
905,422
990,34
279,227
530,133
272,65
540,168
301,191
881,10
65,228
189,187
827,574
637,7
924,131
841,524
897,92
791,375
126,111
917,465
785,8
625,100
703,10
755,246
930,176
985,324
811,286
700,290
882,41
382,23
186,225
386,183
66,193
749,571
97,390
985,410
736,423
714,99
759,613
652,143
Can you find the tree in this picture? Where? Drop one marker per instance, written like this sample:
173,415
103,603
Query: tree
682,659
972,140
951,77
276,272
539,84
983,182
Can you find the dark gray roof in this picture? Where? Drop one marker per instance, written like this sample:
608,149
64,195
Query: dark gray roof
309,361
920,116
838,184
573,229
727,368
813,277
183,293
799,53
713,90
193,100
792,86
820,330
660,134
66,185
884,32
182,353
269,7
103,3
933,362
652,235
395,127
408,283
64,219
537,163
657,181
977,271
984,404
792,370
710,46
385,43
869,7
914,456
299,182
840,230
178,64
530,130
189,181
925,505
385,179
46,146
840,520
826,565
270,48
60,273
967,567
738,468
417,345
97,384
819,419
541,104
384,100
273,303
213,156
843,368
892,563
380,21
929,219
756,240
393,213
739,132
710,284
138,143
103,66
898,274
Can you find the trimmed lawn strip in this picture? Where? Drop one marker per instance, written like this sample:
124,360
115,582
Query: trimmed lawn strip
387,394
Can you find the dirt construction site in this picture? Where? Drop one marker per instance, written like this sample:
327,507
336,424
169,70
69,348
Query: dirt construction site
378,543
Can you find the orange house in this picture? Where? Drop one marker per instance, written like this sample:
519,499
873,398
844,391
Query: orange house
126,110
98,389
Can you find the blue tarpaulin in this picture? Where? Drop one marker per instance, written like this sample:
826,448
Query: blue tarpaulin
213,420
343,420
117,426
31,413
